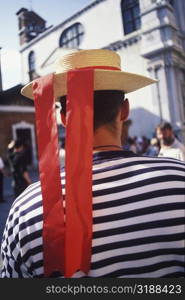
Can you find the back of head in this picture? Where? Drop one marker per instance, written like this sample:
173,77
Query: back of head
164,125
107,104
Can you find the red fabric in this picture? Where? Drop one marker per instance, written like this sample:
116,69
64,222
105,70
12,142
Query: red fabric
79,139
49,167
66,246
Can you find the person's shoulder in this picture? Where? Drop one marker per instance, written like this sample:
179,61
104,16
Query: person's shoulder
26,199
1,163
133,160
25,209
170,161
177,143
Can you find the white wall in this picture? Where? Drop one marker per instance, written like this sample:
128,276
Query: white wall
142,111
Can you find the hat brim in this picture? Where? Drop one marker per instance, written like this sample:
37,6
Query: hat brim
103,80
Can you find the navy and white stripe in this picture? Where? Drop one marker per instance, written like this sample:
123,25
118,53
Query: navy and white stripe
138,220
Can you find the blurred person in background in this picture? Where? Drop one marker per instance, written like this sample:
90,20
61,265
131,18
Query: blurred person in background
170,146
146,143
139,145
18,166
130,145
153,148
1,179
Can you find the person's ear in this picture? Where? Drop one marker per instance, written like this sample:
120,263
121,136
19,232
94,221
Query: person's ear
125,110
63,119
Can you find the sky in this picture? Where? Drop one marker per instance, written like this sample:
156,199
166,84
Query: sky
53,11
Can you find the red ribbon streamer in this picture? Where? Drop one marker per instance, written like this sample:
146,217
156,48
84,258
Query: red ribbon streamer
79,139
49,167
67,247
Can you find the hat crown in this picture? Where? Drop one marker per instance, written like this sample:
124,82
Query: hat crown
107,72
88,58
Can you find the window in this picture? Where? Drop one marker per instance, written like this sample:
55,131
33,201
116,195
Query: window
72,36
131,15
31,63
30,27
171,2
20,23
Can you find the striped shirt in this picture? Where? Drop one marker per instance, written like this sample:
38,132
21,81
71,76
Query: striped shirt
138,220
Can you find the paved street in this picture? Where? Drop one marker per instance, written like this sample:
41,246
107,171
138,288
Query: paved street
9,198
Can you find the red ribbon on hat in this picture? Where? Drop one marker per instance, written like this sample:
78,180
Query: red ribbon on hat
66,241
49,169
79,146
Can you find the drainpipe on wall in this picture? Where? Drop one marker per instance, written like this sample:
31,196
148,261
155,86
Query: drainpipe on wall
158,96
1,85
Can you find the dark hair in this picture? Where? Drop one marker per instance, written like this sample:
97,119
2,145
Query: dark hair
107,104
164,125
18,143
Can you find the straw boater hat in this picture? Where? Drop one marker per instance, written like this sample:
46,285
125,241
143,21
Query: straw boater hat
107,72
67,233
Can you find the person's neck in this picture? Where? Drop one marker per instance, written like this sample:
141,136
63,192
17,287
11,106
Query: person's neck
104,140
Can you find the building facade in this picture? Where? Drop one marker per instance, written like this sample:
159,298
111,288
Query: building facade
150,37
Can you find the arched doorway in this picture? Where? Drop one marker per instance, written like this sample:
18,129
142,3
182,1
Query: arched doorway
25,131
